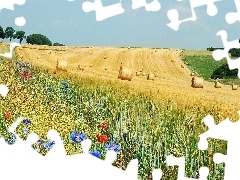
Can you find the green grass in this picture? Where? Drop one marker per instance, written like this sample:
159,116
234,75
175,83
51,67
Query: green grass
156,128
204,65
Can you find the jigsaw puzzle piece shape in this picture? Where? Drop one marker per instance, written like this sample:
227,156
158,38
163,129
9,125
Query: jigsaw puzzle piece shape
157,174
228,131
232,17
173,14
153,6
103,169
180,162
9,4
12,46
3,90
220,54
102,12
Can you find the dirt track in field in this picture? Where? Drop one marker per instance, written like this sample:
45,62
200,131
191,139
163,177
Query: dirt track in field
172,81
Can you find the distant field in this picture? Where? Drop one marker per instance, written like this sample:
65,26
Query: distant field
150,119
203,63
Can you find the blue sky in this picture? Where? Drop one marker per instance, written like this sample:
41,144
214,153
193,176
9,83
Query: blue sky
66,22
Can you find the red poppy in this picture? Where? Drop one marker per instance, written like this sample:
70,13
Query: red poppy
102,138
8,115
26,75
103,126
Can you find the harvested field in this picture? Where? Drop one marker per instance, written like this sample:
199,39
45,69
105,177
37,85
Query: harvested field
173,81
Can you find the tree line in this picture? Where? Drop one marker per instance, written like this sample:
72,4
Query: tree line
38,39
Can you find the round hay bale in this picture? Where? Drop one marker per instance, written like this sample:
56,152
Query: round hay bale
138,73
156,75
217,84
144,74
105,57
81,68
182,66
128,47
197,82
90,65
84,65
234,87
150,77
125,74
62,65
192,74
105,68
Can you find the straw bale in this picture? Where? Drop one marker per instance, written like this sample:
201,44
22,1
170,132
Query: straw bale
217,84
150,77
125,74
144,74
192,74
197,82
90,65
138,73
62,65
234,87
182,66
81,68
105,68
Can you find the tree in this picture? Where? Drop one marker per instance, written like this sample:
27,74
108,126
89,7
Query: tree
9,33
38,39
20,35
58,44
224,71
2,34
235,53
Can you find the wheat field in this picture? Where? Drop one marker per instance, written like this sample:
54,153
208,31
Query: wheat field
173,76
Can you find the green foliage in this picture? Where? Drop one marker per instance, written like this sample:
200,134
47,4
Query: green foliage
58,44
224,72
19,35
38,39
2,34
213,49
204,65
9,33
235,53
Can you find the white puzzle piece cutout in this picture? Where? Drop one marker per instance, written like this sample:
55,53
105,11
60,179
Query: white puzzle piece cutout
232,17
12,46
153,6
9,4
173,14
219,54
102,12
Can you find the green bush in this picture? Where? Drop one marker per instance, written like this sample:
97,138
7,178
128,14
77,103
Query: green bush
224,72
38,39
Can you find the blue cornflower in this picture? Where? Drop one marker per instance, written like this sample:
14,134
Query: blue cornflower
76,137
13,137
27,121
65,84
113,146
48,144
95,153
